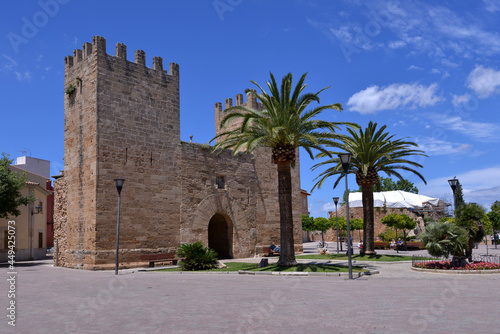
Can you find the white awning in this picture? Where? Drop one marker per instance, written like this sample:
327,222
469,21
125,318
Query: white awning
394,199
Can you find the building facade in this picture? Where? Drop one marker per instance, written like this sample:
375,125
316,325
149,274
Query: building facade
30,227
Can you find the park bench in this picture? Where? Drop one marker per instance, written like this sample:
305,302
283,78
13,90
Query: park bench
268,252
160,257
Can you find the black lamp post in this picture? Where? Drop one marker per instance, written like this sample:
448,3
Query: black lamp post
336,201
453,184
119,186
345,159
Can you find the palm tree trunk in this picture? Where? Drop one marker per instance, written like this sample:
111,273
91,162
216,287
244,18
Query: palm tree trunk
287,252
368,220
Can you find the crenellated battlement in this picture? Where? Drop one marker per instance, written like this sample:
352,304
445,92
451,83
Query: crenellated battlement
97,48
228,103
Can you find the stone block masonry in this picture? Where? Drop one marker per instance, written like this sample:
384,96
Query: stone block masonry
122,121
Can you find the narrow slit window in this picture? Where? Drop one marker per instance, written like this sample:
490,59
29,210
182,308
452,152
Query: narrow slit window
220,182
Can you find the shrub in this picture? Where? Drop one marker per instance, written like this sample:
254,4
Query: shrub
197,257
445,239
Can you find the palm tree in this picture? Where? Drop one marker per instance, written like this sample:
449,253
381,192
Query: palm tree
283,125
373,151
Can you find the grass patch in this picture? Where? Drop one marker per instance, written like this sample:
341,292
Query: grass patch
317,268
357,257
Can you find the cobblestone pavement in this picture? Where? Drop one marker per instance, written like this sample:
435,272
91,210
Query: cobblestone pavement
398,300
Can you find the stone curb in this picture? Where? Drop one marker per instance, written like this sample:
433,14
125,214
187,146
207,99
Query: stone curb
267,273
457,272
296,273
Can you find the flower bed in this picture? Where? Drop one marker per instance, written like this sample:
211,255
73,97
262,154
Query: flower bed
446,265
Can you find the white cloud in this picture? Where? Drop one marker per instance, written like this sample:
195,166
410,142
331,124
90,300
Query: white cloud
480,186
413,67
461,99
433,147
397,44
11,63
26,76
484,132
374,98
492,6
484,81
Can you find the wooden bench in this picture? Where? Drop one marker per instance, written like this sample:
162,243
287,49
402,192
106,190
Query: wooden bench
268,252
160,257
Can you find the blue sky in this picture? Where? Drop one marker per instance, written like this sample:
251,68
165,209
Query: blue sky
428,70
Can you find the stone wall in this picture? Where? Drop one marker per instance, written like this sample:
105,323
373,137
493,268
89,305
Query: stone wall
123,122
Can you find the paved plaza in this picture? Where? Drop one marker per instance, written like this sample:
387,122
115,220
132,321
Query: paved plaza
397,300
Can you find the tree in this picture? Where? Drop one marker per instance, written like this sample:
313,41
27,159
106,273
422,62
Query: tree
494,216
283,126
342,223
356,225
11,184
373,151
322,224
387,184
445,239
307,223
469,216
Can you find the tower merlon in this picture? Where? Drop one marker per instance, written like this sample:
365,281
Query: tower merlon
158,64
77,55
228,103
174,69
68,61
87,50
218,107
121,51
99,44
239,99
140,57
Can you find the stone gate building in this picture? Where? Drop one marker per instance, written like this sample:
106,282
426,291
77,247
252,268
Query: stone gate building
122,121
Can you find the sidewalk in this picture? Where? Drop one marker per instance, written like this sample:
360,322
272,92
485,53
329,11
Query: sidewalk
61,300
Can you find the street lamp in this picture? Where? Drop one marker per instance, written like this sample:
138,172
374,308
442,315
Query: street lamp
336,201
119,186
453,184
345,159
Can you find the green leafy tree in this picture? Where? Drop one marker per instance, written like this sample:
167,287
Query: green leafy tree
373,151
11,184
470,217
342,223
356,224
399,222
494,217
307,223
387,184
445,239
286,123
322,224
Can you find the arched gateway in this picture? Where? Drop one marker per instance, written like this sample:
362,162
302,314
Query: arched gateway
220,235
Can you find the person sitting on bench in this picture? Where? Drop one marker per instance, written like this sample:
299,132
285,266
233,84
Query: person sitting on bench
274,248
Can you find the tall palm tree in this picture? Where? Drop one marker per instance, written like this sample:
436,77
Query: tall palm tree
373,151
283,125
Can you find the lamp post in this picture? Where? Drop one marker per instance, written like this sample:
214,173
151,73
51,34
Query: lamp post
345,159
453,184
336,201
119,186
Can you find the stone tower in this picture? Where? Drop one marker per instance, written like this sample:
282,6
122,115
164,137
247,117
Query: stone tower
122,121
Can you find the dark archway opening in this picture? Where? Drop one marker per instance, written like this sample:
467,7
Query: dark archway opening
220,236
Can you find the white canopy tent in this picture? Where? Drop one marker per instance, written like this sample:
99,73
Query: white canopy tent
393,199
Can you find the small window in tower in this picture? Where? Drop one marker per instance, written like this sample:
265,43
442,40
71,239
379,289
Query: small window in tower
40,239
220,182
